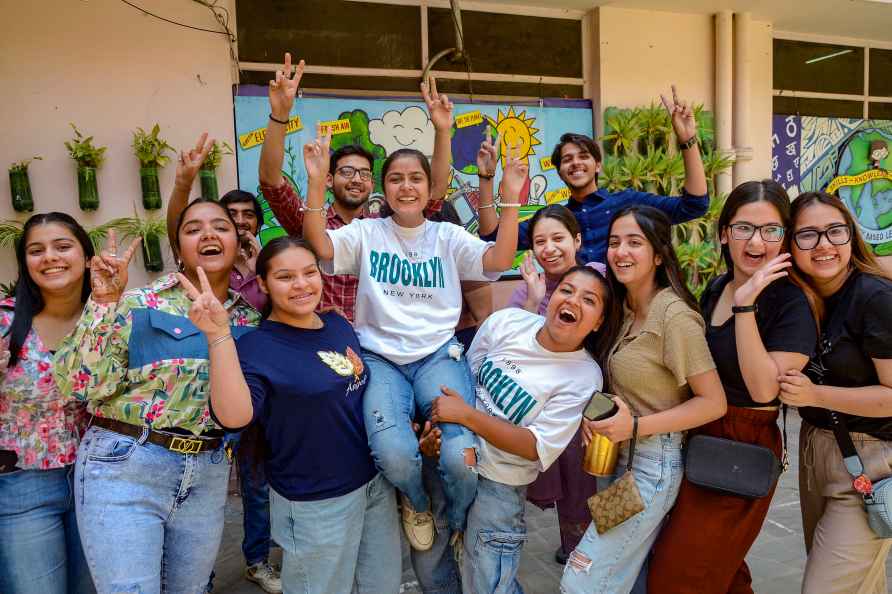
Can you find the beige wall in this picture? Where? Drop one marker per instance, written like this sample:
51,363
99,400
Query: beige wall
641,53
108,68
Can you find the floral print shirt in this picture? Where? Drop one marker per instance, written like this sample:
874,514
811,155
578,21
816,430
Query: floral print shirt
141,361
37,421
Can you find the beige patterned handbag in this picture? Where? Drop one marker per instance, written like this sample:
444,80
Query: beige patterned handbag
621,500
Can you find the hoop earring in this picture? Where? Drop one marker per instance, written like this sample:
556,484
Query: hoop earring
180,266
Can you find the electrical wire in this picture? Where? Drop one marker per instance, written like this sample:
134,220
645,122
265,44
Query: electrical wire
172,22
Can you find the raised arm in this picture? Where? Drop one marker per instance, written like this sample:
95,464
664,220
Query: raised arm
316,161
487,158
500,257
282,91
230,397
188,165
439,107
685,127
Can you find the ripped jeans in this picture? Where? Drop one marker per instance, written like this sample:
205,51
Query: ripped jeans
394,394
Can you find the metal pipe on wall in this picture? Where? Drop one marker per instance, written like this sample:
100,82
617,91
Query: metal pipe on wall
723,91
742,95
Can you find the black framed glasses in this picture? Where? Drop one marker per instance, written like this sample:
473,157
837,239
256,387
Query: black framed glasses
348,172
808,239
745,231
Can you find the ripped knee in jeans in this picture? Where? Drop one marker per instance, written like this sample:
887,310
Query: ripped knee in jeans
579,562
471,458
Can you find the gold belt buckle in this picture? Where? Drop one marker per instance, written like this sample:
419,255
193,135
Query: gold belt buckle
183,445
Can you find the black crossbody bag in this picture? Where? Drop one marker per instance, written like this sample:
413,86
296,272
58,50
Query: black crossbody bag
733,467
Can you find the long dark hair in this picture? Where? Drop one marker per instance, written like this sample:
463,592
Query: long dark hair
766,190
28,298
271,250
657,229
862,260
599,342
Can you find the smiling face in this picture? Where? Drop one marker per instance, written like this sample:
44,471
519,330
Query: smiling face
55,259
407,190
826,264
207,238
578,167
575,310
553,246
750,254
351,192
293,283
244,216
630,255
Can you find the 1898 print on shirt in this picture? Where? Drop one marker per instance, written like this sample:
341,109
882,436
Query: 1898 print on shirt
409,298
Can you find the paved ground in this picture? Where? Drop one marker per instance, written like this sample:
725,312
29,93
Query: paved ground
776,560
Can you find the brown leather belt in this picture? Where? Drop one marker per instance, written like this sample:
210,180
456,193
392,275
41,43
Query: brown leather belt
181,444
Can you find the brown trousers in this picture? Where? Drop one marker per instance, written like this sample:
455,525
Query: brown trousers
844,554
689,556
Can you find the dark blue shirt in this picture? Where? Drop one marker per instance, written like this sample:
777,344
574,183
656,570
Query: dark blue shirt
595,211
307,388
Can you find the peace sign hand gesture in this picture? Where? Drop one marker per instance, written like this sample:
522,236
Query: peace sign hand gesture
283,89
514,174
108,271
190,162
536,288
488,155
207,313
438,106
316,157
682,115
767,274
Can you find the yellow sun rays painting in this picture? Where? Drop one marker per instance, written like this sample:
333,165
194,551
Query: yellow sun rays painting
516,128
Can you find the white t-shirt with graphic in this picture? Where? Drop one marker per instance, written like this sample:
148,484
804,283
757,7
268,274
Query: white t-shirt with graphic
518,380
409,298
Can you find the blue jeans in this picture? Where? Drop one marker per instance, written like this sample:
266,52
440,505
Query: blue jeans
332,546
495,536
255,505
40,550
435,568
393,397
150,519
609,563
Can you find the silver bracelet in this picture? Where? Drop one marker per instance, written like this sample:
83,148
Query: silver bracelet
509,205
308,209
482,206
217,341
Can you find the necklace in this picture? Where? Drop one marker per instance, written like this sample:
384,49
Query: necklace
414,254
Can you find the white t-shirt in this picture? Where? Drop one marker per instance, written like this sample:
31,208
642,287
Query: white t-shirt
518,380
409,296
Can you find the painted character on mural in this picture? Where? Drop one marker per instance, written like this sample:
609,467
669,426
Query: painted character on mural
879,150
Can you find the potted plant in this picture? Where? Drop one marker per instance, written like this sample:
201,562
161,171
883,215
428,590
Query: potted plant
150,229
20,185
10,233
88,158
208,172
149,149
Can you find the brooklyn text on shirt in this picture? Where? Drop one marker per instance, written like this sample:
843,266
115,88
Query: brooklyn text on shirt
385,267
508,396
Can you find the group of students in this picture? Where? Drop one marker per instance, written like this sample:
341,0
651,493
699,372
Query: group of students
332,352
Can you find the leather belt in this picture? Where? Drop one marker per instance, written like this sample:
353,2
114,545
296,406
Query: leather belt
181,444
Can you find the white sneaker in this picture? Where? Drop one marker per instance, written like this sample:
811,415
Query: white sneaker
265,575
418,526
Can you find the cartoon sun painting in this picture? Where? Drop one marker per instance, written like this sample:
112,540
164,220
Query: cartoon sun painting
516,128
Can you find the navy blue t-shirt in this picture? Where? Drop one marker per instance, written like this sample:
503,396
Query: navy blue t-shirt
307,388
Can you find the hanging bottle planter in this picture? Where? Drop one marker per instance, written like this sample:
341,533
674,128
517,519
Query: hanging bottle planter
87,188
20,186
149,150
89,158
207,175
151,188
150,229
151,253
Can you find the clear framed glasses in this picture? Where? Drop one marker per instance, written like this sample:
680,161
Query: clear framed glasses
745,231
808,239
347,172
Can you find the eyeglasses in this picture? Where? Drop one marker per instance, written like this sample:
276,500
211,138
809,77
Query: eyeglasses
348,172
745,231
808,239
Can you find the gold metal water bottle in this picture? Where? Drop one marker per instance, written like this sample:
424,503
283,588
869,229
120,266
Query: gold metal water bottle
600,456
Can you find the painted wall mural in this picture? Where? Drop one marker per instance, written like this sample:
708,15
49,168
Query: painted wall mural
383,125
849,157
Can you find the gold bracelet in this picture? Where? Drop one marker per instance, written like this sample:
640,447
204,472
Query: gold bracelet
217,341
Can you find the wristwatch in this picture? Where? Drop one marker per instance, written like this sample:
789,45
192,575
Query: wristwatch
744,308
683,146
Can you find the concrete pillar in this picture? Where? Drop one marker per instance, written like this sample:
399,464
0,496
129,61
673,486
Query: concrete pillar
591,66
742,94
723,91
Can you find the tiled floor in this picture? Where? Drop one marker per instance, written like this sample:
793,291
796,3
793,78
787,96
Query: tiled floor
776,560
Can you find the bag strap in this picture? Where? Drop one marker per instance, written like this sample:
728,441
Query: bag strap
785,461
850,457
632,442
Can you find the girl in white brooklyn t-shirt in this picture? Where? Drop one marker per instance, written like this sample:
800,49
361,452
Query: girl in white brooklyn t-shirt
408,303
534,376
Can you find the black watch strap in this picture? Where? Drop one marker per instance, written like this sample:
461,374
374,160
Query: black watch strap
744,308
